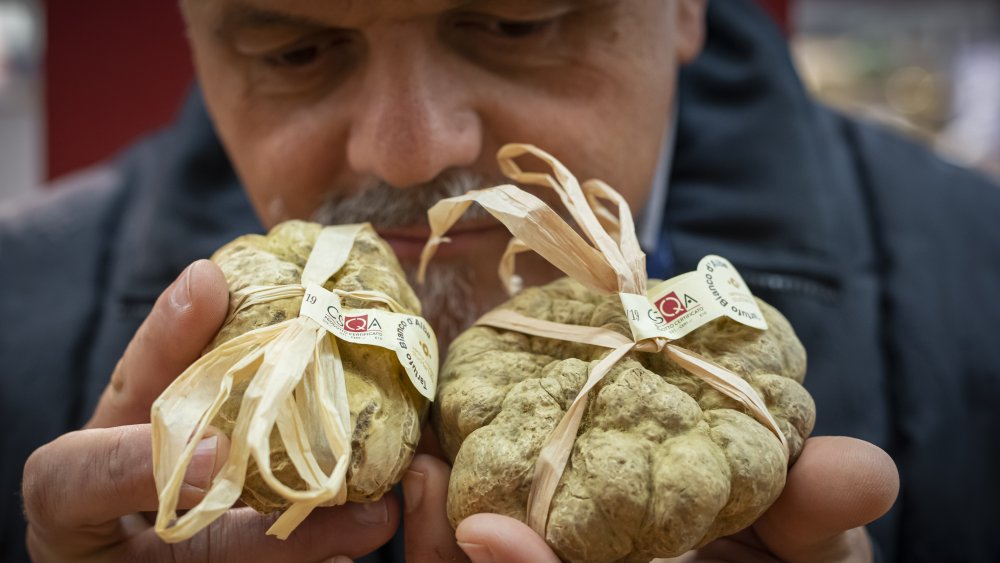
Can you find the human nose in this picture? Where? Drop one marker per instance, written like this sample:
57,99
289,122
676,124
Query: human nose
414,119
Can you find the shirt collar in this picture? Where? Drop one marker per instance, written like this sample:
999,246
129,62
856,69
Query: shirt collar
650,221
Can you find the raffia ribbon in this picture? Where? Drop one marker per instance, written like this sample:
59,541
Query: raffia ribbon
608,261
297,383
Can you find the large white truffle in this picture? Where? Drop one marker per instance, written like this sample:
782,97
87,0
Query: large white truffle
662,462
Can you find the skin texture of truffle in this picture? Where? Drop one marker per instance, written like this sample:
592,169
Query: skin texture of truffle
386,411
662,462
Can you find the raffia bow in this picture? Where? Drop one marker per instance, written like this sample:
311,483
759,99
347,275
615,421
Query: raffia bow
608,261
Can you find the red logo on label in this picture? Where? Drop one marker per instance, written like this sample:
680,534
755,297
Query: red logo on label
357,323
671,307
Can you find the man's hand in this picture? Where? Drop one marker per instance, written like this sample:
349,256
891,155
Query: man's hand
837,486
83,492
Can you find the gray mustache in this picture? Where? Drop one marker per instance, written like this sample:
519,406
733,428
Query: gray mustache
385,206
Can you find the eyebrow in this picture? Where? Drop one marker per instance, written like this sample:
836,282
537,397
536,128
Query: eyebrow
238,16
241,15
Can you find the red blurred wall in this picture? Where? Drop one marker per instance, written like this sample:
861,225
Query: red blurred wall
115,69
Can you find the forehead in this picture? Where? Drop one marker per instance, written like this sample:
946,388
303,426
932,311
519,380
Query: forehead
356,13
351,10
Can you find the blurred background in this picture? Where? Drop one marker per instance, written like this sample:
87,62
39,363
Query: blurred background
927,68
81,80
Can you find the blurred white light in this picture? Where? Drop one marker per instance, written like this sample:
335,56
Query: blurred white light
974,133
18,29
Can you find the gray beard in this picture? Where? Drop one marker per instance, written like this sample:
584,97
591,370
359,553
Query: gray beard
447,297
448,300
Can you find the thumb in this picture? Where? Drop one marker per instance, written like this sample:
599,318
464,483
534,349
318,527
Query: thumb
837,486
498,538
183,322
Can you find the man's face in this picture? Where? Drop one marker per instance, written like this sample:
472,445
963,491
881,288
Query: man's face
354,110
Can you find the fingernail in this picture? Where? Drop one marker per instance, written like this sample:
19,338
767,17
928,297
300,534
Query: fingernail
199,471
372,513
478,553
413,489
180,293
338,559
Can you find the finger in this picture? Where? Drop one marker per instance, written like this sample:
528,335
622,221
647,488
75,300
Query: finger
240,536
838,484
429,535
492,537
182,323
86,480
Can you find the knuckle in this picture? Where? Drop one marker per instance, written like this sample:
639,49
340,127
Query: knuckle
121,379
37,487
144,341
116,470
123,471
46,478
118,375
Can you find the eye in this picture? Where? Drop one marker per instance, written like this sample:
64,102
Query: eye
518,29
306,52
296,57
504,29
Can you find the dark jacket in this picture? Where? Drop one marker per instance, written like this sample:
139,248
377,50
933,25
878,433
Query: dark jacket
884,258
